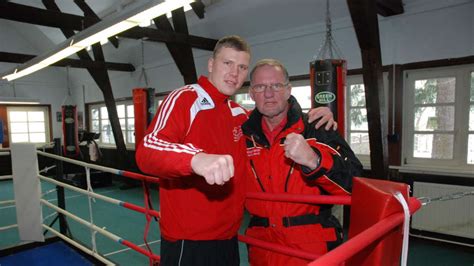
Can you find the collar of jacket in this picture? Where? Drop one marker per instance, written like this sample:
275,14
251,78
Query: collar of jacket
215,94
253,126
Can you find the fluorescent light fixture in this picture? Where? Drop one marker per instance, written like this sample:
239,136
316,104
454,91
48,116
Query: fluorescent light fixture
106,28
18,100
187,7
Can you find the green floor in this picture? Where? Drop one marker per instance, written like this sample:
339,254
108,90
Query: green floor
130,226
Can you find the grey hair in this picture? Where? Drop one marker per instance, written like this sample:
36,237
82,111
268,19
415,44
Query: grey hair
270,62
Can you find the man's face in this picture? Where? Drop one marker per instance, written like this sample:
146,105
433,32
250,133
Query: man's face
228,70
270,102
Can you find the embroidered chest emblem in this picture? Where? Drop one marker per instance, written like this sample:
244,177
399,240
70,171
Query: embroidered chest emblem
237,131
253,151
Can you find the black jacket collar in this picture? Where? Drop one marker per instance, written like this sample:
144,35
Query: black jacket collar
253,126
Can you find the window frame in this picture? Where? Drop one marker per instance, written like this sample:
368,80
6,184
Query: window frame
353,80
458,164
124,131
26,108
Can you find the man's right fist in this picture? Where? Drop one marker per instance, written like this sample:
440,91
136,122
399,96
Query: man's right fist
216,169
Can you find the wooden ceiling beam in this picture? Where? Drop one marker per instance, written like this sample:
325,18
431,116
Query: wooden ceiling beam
182,54
56,19
75,63
101,78
365,21
389,8
198,8
89,12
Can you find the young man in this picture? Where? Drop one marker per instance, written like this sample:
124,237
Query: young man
288,155
195,143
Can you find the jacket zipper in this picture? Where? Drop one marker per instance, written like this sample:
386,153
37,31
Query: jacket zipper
288,175
256,175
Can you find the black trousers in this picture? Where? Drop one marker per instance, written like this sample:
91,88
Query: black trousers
197,253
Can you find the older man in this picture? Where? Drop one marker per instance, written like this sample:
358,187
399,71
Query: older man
288,155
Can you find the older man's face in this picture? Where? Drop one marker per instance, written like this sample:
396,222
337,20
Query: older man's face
272,101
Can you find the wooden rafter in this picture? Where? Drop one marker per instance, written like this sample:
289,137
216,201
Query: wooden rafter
389,8
56,19
89,12
101,78
182,54
364,18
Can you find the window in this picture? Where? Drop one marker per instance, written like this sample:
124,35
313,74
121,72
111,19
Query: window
470,146
357,127
29,124
302,92
99,122
439,119
358,131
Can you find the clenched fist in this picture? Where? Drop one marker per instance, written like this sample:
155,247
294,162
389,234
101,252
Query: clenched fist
216,169
298,150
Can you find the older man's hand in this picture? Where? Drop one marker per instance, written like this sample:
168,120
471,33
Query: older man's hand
298,150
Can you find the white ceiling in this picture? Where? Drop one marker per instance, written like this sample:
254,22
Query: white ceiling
247,18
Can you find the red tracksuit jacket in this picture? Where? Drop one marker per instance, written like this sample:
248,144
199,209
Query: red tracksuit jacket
191,119
274,173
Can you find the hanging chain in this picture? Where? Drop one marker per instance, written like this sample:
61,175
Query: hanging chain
143,64
329,30
329,44
457,195
67,82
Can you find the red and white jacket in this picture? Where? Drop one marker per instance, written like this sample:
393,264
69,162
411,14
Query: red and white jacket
272,172
192,119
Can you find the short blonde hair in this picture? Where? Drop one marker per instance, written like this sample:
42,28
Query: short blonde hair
231,41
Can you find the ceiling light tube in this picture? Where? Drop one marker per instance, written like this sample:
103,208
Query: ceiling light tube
18,100
106,28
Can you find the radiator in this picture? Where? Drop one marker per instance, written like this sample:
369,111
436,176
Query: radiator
453,217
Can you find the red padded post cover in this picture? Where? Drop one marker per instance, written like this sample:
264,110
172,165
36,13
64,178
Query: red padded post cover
140,110
372,201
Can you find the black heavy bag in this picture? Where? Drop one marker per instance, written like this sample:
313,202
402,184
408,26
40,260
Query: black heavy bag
70,135
328,78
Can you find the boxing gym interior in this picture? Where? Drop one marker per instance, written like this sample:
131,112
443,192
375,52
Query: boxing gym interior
77,94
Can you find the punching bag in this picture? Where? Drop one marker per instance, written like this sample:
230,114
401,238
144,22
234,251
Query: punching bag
328,80
1,133
70,135
143,107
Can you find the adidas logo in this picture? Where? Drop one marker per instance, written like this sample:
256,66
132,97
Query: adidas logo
204,101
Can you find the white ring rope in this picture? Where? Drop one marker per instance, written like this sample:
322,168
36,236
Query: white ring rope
6,177
84,164
47,168
406,227
89,200
84,222
7,202
80,190
79,246
49,216
8,227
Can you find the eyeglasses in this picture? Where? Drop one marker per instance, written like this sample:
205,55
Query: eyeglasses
276,87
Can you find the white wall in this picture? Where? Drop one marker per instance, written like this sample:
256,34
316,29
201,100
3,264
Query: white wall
48,86
428,30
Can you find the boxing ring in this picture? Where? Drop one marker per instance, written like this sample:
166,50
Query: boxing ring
378,232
